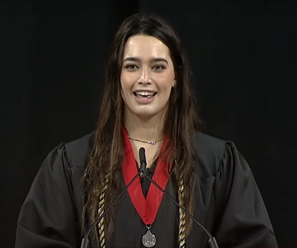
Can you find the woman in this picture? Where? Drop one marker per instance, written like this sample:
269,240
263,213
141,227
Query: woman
148,102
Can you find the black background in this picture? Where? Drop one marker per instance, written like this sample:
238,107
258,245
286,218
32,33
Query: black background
53,55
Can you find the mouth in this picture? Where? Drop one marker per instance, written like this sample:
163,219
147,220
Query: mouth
144,94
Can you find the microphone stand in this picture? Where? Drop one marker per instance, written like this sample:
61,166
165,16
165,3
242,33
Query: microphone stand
85,243
212,243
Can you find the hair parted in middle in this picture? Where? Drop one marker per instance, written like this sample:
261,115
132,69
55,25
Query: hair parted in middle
181,121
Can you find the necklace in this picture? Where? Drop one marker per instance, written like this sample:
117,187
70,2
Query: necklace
146,141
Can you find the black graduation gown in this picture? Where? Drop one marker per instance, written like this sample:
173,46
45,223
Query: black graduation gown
226,201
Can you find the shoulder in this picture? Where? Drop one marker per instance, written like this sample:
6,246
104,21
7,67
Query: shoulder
78,151
209,153
209,145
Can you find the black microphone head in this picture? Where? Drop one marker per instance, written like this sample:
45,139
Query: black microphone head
142,155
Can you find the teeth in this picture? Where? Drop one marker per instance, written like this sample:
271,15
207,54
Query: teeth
145,93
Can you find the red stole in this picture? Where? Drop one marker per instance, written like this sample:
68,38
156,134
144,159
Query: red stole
146,208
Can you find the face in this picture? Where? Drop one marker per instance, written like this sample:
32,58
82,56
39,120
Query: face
147,77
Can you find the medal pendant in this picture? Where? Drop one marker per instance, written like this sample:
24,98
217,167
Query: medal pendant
149,239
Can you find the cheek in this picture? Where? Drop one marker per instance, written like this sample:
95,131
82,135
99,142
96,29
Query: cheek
125,81
166,82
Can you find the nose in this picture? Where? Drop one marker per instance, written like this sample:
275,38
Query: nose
144,76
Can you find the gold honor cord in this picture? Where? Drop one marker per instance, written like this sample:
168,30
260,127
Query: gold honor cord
182,216
100,212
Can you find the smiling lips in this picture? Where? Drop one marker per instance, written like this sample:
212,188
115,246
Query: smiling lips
144,96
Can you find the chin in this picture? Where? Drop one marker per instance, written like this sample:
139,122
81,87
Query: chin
146,115
145,112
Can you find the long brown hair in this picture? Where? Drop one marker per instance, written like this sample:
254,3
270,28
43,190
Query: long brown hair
180,122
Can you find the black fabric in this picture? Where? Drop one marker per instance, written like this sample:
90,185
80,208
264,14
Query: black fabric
227,202
145,183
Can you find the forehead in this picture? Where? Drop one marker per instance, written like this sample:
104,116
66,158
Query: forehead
145,46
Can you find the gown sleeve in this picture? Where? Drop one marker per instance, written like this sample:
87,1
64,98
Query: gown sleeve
47,217
242,219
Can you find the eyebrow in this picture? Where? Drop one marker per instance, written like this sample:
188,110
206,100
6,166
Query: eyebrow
135,59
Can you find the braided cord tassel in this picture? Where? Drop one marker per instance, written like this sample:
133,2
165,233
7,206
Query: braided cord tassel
100,212
182,217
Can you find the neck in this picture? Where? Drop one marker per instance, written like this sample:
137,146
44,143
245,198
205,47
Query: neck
144,129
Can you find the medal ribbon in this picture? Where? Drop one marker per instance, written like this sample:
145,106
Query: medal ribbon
146,208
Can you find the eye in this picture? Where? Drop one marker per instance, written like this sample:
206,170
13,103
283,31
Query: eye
131,67
159,67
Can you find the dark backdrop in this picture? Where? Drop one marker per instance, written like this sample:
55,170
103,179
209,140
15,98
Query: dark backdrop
53,55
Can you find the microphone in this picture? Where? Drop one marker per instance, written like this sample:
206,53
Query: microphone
212,243
142,159
85,243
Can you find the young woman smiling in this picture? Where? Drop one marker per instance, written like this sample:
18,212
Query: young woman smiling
148,103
